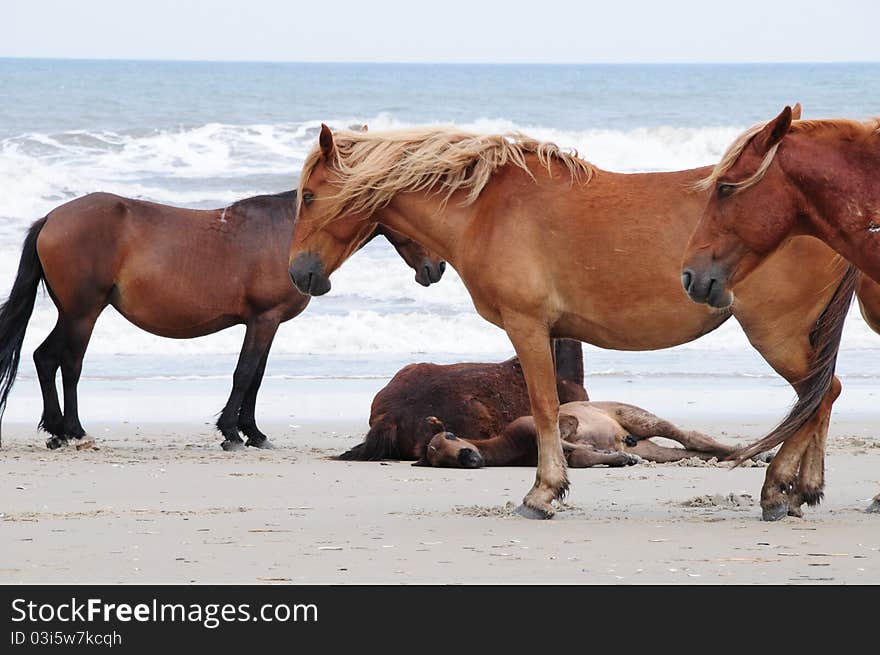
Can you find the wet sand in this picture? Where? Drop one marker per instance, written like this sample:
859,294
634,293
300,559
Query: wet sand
161,503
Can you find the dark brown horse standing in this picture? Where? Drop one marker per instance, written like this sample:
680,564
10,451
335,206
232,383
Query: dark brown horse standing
179,273
778,180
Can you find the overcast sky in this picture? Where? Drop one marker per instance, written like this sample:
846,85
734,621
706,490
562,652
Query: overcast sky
444,30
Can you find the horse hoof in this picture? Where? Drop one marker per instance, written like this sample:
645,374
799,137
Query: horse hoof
632,460
265,444
874,508
534,513
764,457
231,446
775,512
53,443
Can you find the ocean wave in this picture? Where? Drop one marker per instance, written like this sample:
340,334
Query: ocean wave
370,332
189,165
375,306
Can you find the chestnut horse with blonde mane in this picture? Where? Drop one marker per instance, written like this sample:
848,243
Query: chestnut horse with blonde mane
549,246
174,272
778,180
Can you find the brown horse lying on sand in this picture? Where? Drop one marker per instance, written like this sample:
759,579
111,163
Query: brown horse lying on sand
179,273
593,433
778,180
473,400
549,246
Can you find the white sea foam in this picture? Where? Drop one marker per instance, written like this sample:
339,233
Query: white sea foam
375,306
185,166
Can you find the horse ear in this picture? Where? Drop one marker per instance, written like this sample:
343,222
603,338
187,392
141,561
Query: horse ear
326,141
796,112
773,131
435,424
365,128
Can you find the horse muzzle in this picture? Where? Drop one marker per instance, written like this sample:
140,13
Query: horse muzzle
470,459
707,286
307,273
430,272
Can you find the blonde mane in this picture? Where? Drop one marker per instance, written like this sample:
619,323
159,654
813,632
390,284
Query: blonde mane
839,128
370,168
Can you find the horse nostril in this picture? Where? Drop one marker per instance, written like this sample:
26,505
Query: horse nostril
442,267
686,278
712,282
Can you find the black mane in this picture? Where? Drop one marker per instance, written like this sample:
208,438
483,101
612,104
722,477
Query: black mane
277,206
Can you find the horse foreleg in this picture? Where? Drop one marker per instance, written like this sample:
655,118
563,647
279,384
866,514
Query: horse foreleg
580,456
257,340
661,454
531,340
247,421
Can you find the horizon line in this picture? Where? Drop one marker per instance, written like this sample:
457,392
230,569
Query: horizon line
440,63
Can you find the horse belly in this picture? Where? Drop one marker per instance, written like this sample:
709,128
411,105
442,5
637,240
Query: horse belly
174,309
645,326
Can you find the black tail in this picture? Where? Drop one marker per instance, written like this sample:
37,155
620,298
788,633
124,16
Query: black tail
16,311
570,360
380,443
825,339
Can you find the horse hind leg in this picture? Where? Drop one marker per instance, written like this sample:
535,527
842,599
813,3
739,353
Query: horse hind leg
796,473
809,484
642,424
77,333
47,360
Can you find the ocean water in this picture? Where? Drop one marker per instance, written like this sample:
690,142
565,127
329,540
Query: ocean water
206,134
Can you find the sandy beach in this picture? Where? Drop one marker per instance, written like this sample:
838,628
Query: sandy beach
161,503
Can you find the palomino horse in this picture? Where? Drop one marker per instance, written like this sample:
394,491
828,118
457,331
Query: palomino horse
174,272
475,400
778,180
593,433
550,246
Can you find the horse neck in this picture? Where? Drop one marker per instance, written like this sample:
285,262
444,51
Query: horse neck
507,449
839,180
422,218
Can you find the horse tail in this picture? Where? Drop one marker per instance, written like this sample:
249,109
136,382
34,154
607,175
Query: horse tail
825,339
16,311
380,443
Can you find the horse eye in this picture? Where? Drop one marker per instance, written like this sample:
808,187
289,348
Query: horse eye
725,190
308,196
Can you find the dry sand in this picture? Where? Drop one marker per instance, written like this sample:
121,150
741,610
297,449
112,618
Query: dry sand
163,504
